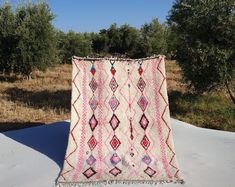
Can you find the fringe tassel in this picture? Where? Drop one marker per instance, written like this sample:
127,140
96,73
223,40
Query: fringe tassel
107,182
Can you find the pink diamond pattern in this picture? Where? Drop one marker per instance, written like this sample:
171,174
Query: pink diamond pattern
93,103
115,159
149,171
113,102
93,84
91,160
115,142
144,122
114,122
113,84
146,159
115,171
92,142
145,142
89,172
142,103
93,122
141,84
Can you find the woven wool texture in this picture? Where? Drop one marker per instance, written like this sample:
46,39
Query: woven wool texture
120,124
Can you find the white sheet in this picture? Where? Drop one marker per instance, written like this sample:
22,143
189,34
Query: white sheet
33,157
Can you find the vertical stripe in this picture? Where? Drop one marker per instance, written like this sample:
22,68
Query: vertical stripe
100,120
83,123
75,97
157,115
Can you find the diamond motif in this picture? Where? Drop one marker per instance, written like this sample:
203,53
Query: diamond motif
113,84
115,159
113,71
115,171
144,122
140,70
113,102
92,142
115,142
141,84
145,142
91,160
142,103
89,172
93,84
93,122
93,70
114,122
93,103
146,159
149,171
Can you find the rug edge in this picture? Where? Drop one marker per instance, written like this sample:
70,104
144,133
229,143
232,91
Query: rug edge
107,182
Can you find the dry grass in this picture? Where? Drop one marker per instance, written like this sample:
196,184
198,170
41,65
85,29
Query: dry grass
46,98
43,99
212,110
174,77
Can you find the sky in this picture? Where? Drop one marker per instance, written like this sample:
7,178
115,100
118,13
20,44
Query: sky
93,15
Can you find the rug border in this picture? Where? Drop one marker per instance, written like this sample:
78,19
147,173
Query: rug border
107,182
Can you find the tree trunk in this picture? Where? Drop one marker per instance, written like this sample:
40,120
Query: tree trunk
230,92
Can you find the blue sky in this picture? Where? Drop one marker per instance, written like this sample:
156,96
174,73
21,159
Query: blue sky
93,15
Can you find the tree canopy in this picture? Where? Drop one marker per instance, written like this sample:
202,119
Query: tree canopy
27,38
29,41
73,43
150,39
205,42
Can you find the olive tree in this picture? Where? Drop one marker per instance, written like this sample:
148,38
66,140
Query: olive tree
205,42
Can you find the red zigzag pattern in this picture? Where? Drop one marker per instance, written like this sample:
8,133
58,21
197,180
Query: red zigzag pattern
162,116
71,132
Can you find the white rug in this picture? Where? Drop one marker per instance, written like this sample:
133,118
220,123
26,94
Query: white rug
120,125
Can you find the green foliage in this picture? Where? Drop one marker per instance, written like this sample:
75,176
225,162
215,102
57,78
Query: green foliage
155,36
116,40
73,43
205,35
131,42
100,42
171,40
8,39
31,37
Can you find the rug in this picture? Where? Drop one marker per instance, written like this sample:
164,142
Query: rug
120,128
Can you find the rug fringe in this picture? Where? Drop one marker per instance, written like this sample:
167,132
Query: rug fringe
107,182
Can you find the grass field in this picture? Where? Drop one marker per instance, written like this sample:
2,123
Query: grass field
46,98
